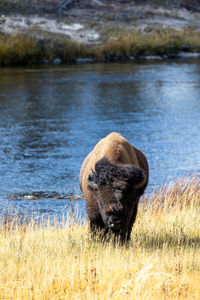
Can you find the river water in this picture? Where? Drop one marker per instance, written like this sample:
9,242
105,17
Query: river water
51,117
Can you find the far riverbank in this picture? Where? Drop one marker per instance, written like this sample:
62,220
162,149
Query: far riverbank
25,50
97,31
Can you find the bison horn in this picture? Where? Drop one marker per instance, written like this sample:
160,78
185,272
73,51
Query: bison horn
91,183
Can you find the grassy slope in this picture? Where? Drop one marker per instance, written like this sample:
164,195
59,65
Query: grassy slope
161,262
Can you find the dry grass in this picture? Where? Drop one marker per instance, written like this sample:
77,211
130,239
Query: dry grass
41,261
157,41
23,50
19,50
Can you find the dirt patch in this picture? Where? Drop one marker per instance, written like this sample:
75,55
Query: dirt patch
32,24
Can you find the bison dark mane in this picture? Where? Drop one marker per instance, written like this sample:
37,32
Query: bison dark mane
107,172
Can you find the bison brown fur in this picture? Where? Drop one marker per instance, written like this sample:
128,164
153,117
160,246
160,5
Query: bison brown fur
113,177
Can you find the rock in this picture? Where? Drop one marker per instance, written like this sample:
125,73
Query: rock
165,56
57,61
45,61
188,55
85,60
75,26
150,57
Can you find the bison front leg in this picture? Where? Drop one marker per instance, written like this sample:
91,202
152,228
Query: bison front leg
124,236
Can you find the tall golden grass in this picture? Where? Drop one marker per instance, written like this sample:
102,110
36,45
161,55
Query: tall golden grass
162,261
18,50
158,41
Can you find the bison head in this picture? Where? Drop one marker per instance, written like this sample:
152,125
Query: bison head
116,188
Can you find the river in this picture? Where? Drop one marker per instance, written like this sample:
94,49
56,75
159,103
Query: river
51,117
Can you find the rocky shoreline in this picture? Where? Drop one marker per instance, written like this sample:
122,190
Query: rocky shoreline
175,56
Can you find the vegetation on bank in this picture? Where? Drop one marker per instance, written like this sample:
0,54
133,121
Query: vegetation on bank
24,50
42,261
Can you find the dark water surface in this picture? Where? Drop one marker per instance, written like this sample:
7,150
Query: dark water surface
51,117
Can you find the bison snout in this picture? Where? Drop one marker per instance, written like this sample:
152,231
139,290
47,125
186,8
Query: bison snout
114,223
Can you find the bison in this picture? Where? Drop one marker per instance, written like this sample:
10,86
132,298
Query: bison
112,178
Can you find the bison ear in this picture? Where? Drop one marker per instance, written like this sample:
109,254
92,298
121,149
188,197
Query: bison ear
135,176
91,182
139,178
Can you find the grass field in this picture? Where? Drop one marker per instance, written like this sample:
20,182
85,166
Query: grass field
162,260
